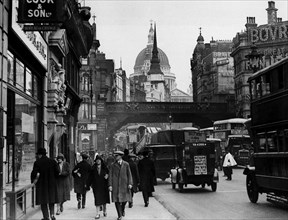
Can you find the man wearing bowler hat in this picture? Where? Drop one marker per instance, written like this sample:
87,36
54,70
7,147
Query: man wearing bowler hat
120,183
44,174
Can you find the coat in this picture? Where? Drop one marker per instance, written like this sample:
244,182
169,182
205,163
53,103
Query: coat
46,186
135,175
119,178
229,161
63,183
147,174
83,169
99,185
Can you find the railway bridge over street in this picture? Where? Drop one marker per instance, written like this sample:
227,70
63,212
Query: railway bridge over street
118,114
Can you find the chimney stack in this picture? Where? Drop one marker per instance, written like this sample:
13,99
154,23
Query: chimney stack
250,23
271,13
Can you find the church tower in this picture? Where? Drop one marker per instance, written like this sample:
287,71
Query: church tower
155,85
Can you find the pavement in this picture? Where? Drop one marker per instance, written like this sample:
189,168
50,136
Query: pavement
154,211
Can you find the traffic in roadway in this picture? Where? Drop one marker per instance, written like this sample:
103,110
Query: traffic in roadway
230,201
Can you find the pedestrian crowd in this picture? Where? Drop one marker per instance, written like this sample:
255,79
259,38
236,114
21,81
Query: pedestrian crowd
115,178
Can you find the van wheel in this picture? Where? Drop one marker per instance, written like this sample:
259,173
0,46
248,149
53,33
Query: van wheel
173,185
214,186
180,185
252,189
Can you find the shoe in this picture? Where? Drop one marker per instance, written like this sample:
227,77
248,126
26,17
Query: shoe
123,213
146,204
53,218
83,206
119,218
104,214
79,205
130,205
58,212
97,216
61,208
228,179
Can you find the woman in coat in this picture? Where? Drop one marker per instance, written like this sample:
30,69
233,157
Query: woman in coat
120,183
98,179
63,183
80,173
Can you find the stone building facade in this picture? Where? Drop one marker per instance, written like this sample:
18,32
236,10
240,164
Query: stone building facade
271,41
39,97
212,71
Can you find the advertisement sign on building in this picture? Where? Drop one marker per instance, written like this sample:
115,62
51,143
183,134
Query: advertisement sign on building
41,11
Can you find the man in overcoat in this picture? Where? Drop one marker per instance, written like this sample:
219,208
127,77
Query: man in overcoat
135,176
44,176
147,175
120,183
80,173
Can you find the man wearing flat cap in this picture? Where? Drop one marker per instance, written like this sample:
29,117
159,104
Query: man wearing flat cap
44,174
120,183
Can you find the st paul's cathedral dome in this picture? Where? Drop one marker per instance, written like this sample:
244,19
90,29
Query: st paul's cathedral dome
143,62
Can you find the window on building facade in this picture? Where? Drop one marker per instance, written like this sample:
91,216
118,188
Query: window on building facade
85,83
83,111
10,70
20,75
25,140
28,82
84,61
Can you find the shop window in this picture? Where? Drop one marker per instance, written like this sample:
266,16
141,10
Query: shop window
25,134
28,82
35,87
20,75
10,68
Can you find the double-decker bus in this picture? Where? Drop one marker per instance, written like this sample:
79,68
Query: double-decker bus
209,132
233,126
240,147
268,169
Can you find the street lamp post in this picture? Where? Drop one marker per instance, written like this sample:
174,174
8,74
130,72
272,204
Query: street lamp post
91,96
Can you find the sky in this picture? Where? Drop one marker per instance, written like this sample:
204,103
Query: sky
123,27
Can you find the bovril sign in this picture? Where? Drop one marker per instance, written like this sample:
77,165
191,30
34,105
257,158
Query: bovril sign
40,11
268,33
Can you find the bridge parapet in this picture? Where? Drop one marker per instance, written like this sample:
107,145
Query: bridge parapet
167,107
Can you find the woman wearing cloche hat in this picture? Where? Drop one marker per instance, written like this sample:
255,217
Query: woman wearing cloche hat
63,183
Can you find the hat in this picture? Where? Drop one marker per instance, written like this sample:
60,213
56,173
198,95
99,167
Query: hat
84,156
132,155
98,157
41,151
60,156
119,152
